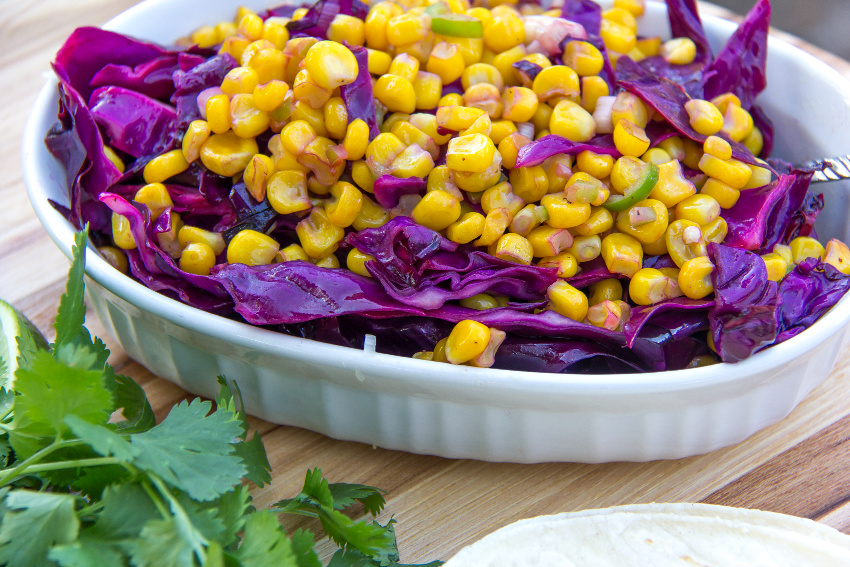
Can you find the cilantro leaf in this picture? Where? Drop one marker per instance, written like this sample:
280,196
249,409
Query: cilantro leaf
303,546
253,452
161,544
264,543
192,451
32,522
72,310
113,523
232,509
344,495
137,411
102,439
369,539
51,389
86,552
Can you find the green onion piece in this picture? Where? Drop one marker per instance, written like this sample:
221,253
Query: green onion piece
457,25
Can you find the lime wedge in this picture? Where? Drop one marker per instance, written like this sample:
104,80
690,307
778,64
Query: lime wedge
16,331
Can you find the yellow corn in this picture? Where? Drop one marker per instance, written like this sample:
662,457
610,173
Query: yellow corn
519,104
115,257
356,139
804,247
344,205
584,188
600,221
715,231
725,195
240,80
672,186
308,91
485,97
674,146
529,183
476,182
189,234
406,29
685,241
647,220
583,58
509,148
718,147
679,51
649,286
597,165
381,152
737,123
437,210
375,25
527,219
622,253
234,46
630,139
734,173
287,192
165,166
347,28
754,141
197,258
563,213
274,30
776,266
473,153
330,64
155,196
656,156
292,253
270,96
246,120
168,241
396,93
257,174
427,89
695,277
446,62
635,7
371,215
547,241
121,233
701,209
617,37
606,290
504,32
119,163
628,106
480,302
356,262
567,300
467,340
501,129
556,81
413,161
704,117
467,228
761,176
572,122
252,248
495,224
837,255
513,248
605,314
318,236
501,196
565,263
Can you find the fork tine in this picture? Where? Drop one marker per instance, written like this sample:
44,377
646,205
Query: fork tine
830,169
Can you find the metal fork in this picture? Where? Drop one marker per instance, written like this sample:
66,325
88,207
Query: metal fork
828,169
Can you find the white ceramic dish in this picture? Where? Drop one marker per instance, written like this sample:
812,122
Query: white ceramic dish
463,412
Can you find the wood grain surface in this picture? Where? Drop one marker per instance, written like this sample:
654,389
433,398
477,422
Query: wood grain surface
800,466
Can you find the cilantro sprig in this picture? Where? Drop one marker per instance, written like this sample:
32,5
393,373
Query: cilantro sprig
88,478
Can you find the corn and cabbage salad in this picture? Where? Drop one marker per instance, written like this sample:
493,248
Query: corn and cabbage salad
495,183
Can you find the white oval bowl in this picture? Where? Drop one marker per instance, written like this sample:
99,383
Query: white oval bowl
463,412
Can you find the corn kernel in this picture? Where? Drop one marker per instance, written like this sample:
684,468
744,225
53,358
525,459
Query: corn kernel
567,300
734,173
564,214
556,81
466,229
252,248
837,255
319,237
776,266
547,241
356,262
467,341
646,232
495,224
622,253
609,289
718,147
413,161
122,235
501,196
565,263
347,28
529,183
504,32
473,153
189,234
446,62
754,141
197,258
396,93
617,37
672,186
695,277
165,166
246,120
331,65
701,209
704,117
737,123
679,51
804,247
287,192
572,122
649,286
427,89
685,241
630,139
509,148
600,221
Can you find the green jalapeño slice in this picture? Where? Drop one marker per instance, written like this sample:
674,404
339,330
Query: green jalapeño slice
637,191
457,25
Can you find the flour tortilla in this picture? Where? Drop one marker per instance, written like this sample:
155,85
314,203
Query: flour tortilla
660,535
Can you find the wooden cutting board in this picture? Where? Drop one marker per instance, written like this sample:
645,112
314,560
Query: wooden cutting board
800,466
